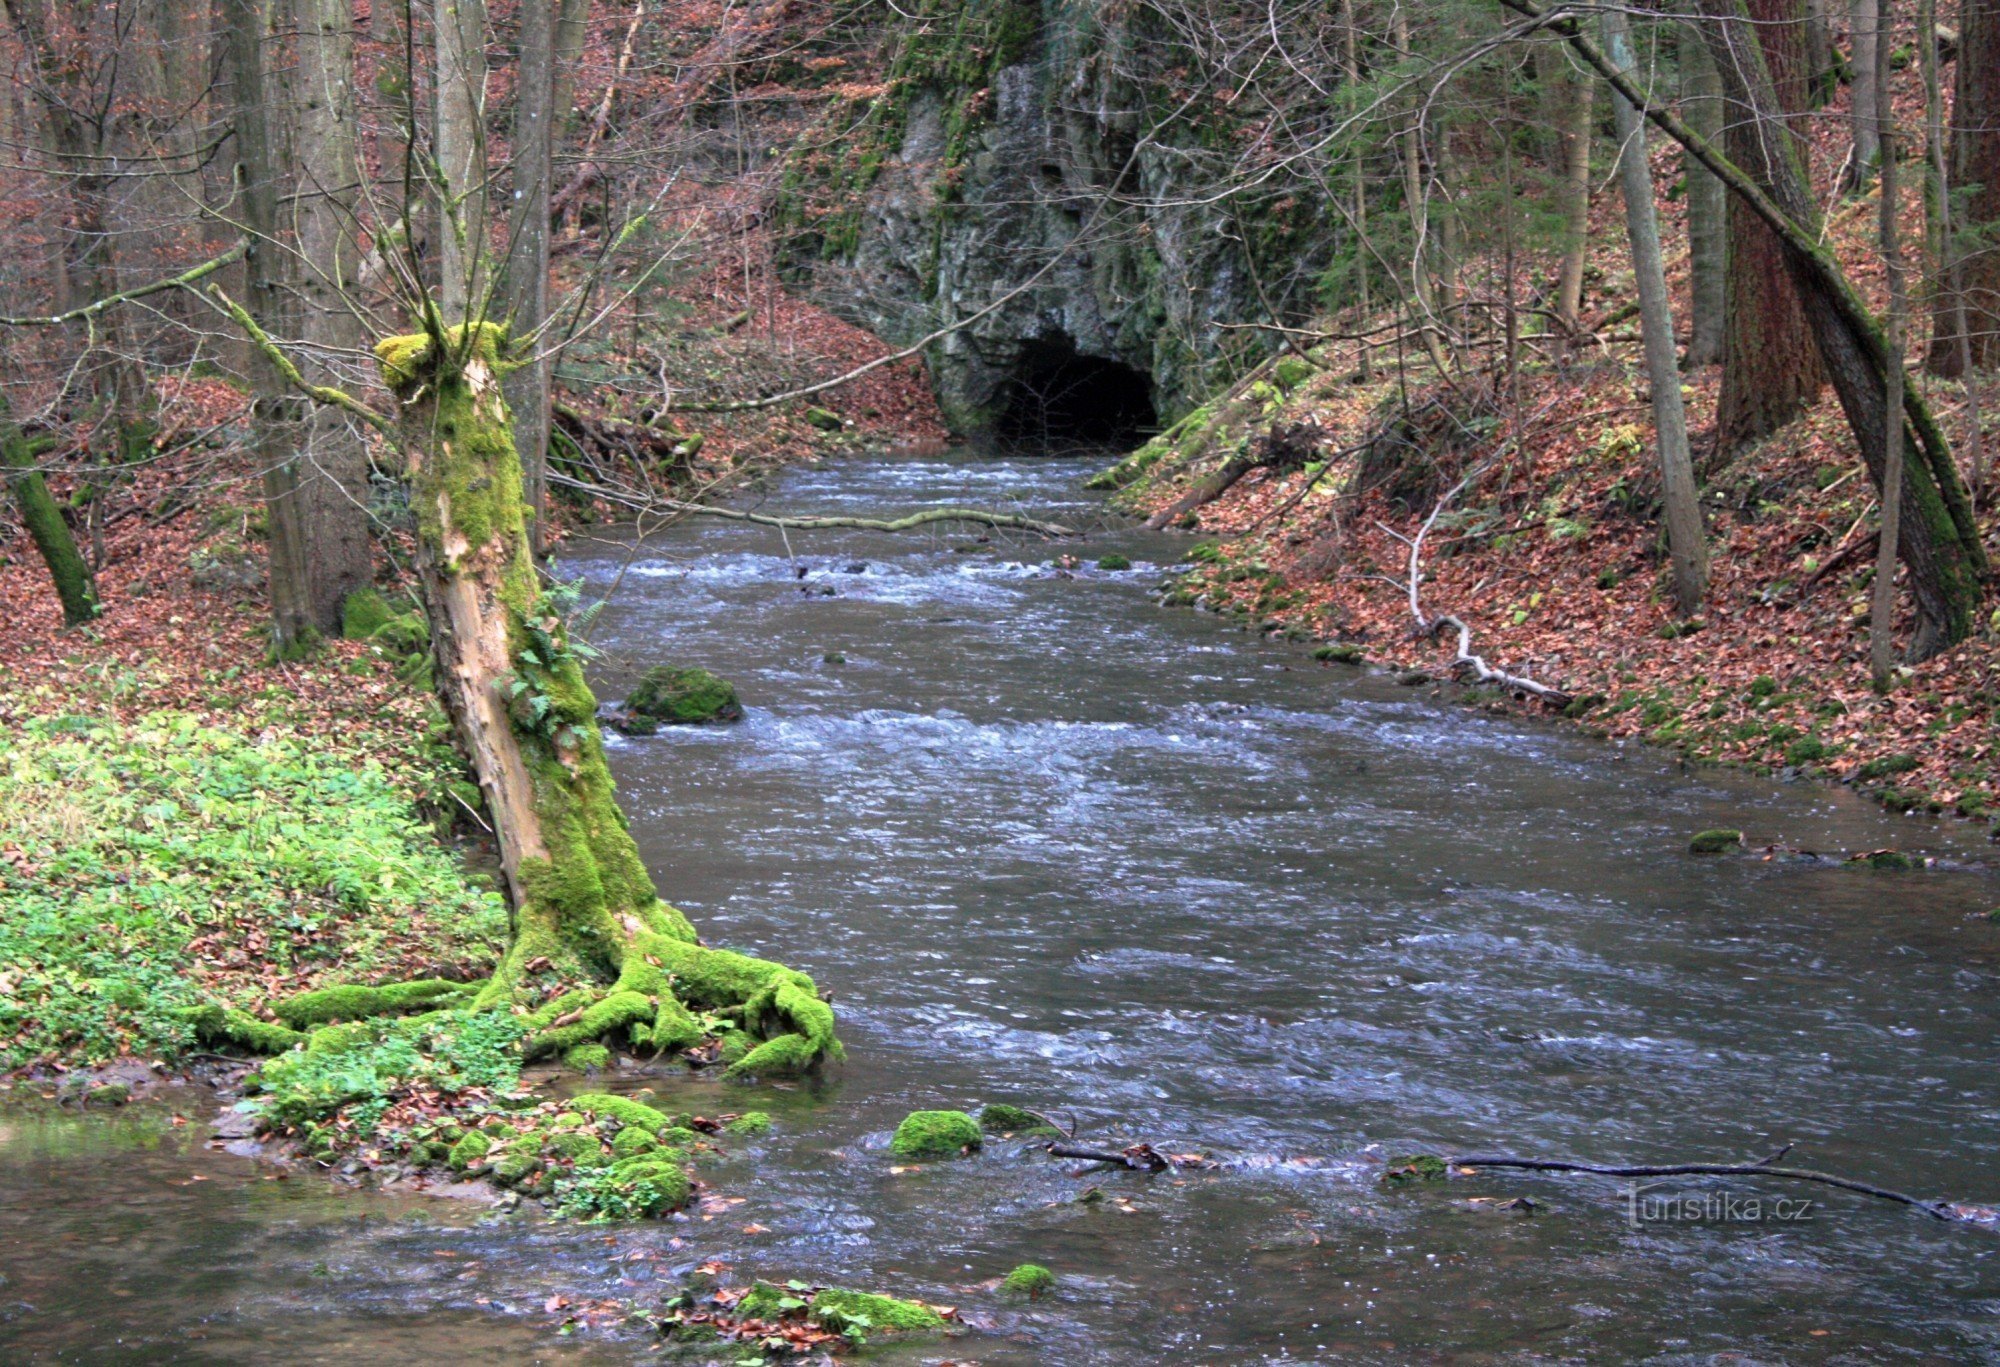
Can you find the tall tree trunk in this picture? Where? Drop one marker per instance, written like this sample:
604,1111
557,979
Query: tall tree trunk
76,588
274,419
1966,308
585,905
1865,19
1707,209
1939,265
333,488
1350,72
460,135
525,298
1882,610
1685,542
1771,371
1578,102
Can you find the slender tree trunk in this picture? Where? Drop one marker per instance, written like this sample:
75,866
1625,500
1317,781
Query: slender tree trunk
1941,269
526,285
1882,610
1707,209
274,422
1685,542
1409,144
1771,371
76,587
333,487
460,137
1578,103
1865,18
1350,70
1965,331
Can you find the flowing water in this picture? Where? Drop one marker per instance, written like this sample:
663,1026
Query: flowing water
1046,842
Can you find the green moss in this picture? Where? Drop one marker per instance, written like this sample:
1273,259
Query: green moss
751,1123
1889,861
826,420
838,1309
1717,841
630,1188
1029,1280
470,1151
1000,1118
362,613
586,1058
1887,765
1291,371
632,1141
1415,1167
621,1109
764,1301
684,697
215,1024
1345,654
935,1134
349,1003
1113,562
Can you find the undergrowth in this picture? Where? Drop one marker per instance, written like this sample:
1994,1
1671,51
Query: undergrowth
149,867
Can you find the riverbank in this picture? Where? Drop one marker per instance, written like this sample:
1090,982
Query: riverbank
1550,553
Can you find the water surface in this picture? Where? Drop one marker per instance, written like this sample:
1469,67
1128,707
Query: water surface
1046,842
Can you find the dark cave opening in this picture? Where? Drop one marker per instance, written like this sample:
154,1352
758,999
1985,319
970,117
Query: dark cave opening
1059,398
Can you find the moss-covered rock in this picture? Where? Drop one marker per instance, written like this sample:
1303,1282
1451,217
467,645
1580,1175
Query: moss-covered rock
1888,861
675,696
1028,1281
751,1123
587,1058
362,613
1343,653
1000,1118
838,1309
1717,841
935,1134
469,1152
1114,561
1415,1167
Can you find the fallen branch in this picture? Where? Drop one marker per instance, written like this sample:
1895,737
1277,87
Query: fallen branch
679,508
1941,1210
1464,663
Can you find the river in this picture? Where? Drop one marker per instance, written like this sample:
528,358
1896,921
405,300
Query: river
1046,842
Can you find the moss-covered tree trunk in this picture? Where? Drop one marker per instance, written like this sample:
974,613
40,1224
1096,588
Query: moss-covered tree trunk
585,907
44,520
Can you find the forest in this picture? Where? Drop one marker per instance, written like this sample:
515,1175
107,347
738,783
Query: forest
1017,681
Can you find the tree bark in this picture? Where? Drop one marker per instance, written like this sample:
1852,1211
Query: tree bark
1882,609
525,288
1409,147
1865,19
1707,210
1771,371
1683,509
1966,303
333,487
274,423
460,138
1577,105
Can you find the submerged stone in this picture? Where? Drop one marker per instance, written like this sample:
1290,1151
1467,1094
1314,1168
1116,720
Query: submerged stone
1717,841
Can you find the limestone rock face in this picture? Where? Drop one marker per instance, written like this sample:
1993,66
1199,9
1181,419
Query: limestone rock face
994,151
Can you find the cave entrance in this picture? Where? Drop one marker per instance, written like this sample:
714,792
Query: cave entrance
1058,399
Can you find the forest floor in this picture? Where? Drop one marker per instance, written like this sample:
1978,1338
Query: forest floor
1554,555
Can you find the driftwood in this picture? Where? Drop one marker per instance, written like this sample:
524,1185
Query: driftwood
1937,1209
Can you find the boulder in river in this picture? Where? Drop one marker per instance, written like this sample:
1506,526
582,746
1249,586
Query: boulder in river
935,1134
676,696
